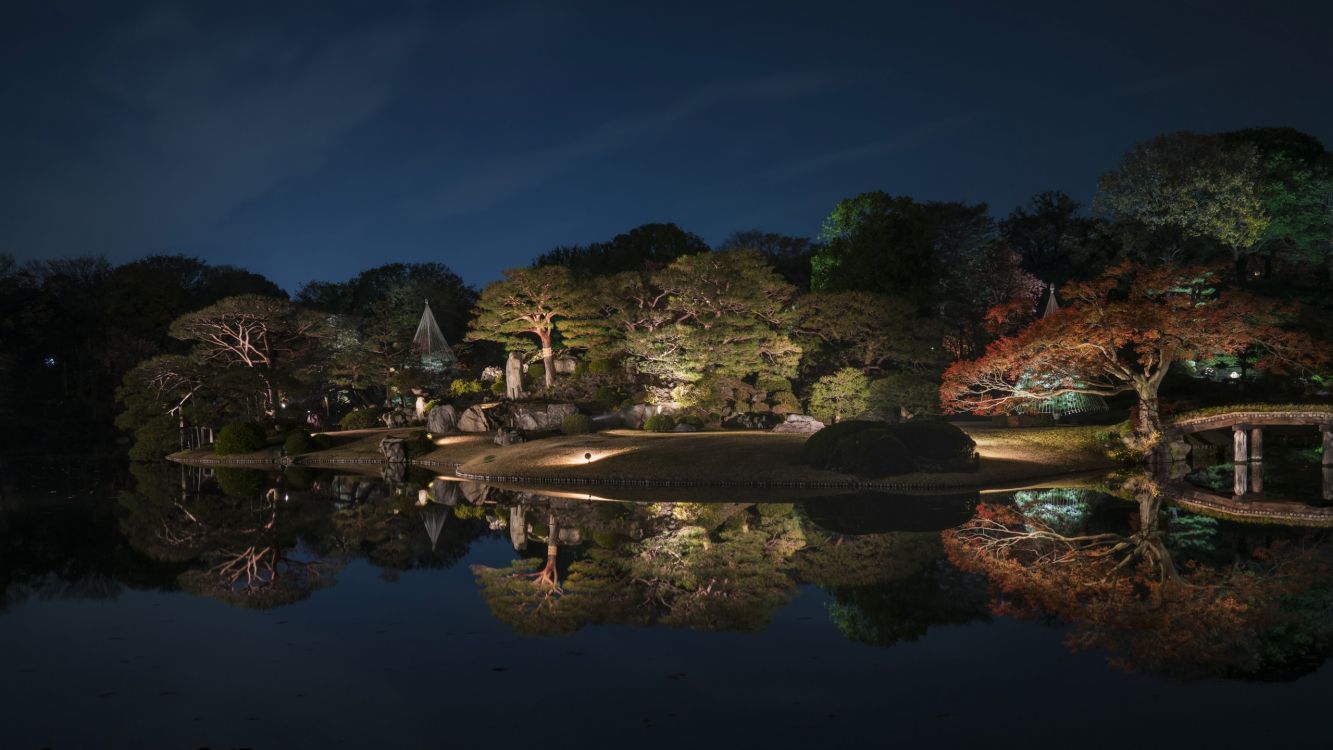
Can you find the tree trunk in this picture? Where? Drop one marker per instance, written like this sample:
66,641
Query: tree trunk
548,358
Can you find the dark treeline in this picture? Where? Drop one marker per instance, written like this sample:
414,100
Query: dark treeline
864,316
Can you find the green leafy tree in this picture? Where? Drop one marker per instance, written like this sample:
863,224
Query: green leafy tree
842,395
527,302
1192,186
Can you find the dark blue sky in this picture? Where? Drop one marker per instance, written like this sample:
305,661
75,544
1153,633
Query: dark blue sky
319,139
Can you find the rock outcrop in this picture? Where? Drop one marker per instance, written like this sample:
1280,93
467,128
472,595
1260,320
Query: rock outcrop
538,417
752,421
478,419
441,419
800,424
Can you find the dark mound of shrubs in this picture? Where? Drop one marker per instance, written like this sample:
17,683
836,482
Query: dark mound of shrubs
692,420
659,423
935,445
576,424
879,449
298,442
235,482
818,448
361,419
240,437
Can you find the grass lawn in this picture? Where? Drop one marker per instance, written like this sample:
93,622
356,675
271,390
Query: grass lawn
1008,456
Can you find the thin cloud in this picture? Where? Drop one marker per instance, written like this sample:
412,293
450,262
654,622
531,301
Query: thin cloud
876,149
194,124
511,175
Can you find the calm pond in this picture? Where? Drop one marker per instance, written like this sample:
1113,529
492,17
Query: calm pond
177,607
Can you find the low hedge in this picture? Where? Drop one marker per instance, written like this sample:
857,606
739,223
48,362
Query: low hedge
935,445
577,424
240,437
869,448
298,442
659,423
361,419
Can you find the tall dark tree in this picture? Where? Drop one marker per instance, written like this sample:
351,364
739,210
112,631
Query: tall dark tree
642,248
789,256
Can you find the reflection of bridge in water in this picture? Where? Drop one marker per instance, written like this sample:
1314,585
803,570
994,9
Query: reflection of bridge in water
1248,500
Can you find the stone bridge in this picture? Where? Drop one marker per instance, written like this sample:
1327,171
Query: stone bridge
1247,428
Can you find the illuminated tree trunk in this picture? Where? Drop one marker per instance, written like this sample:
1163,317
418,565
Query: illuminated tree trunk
548,356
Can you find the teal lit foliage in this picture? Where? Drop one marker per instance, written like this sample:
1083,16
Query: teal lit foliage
240,437
1194,536
659,423
577,424
1064,511
361,419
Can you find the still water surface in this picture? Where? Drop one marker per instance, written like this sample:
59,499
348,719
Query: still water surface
170,607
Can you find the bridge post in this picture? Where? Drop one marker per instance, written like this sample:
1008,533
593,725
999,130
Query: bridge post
1328,444
1241,449
1242,480
1256,478
1328,482
1256,443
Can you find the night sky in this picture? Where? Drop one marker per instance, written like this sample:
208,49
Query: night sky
315,140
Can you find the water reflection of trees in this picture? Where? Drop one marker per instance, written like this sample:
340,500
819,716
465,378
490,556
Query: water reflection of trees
714,567
257,539
1164,591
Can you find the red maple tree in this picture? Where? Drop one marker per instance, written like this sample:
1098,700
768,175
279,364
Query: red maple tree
1121,332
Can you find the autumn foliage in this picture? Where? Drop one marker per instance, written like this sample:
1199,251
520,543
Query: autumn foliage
1121,332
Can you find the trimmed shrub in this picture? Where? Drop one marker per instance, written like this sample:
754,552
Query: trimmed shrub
842,395
818,448
322,442
916,446
601,366
299,477
537,373
236,482
659,423
935,445
460,388
298,442
155,439
577,424
692,420
872,453
361,419
240,437
498,387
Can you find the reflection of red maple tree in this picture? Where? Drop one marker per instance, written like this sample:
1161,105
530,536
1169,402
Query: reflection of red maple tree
1120,333
1123,593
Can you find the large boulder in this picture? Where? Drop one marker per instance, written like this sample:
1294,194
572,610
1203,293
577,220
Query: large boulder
508,437
565,365
800,424
752,421
442,418
478,419
514,376
538,417
394,450
492,374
